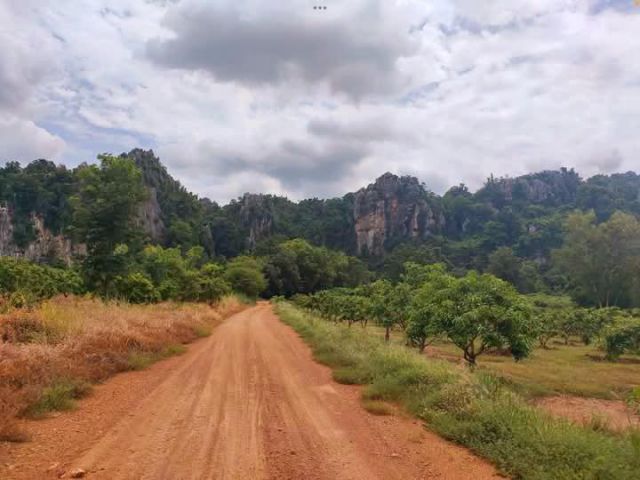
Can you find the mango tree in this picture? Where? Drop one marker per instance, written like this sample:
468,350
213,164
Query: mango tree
623,339
424,324
382,309
479,312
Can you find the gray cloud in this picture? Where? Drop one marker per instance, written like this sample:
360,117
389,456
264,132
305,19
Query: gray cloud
352,54
364,131
296,164
247,95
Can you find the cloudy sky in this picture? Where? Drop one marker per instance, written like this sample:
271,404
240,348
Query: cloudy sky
279,97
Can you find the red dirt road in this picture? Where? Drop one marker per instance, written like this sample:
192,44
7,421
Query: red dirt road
246,403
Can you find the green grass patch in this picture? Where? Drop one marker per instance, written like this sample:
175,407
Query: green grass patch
173,350
59,396
563,369
141,360
574,369
476,409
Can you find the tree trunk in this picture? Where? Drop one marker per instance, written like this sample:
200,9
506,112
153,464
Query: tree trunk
470,355
386,334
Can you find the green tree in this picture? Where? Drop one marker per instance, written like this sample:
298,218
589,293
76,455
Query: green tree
212,287
623,339
244,274
385,308
136,288
549,314
424,324
104,211
602,261
504,264
478,312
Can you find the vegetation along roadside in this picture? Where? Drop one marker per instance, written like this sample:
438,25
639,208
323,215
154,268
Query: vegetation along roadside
470,408
50,355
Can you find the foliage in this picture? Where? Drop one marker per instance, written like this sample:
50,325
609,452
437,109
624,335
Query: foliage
42,189
424,325
136,288
244,274
478,312
622,339
602,261
296,266
61,395
103,216
505,264
212,287
22,283
389,304
549,313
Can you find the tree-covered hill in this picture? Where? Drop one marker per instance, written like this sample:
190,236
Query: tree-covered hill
510,226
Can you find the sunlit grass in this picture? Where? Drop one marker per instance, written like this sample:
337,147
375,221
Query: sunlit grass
573,369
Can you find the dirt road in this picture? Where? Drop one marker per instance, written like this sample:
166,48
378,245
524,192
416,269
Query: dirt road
246,403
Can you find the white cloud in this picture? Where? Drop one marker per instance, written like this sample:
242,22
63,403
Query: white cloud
447,91
24,139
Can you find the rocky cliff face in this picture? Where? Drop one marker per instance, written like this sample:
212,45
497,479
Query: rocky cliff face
46,245
551,188
7,247
257,217
150,217
391,209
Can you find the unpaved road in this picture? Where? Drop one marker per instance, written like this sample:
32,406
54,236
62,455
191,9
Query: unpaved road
246,403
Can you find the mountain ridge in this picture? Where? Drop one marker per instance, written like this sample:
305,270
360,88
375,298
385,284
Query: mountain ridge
369,222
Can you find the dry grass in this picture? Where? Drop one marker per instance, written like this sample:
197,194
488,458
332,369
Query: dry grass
377,407
87,340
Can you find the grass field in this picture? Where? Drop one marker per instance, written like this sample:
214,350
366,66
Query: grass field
573,369
471,408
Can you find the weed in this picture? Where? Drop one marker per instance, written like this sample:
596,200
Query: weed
599,423
174,349
61,395
202,331
142,360
377,407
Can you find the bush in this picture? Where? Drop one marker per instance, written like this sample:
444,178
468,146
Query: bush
245,276
23,284
136,288
623,339
61,395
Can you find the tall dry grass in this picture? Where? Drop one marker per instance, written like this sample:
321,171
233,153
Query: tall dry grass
86,340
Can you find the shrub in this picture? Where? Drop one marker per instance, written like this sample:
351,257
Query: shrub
245,276
61,395
136,288
623,339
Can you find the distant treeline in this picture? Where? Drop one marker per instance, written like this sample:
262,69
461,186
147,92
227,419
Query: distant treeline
549,232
